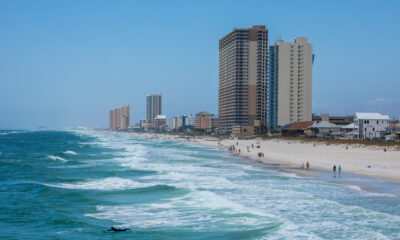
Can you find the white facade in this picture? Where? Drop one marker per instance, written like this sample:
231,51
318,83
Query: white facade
294,80
172,123
189,120
179,122
325,128
371,125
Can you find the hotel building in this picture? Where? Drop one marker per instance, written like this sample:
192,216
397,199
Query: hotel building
119,118
243,56
154,107
289,87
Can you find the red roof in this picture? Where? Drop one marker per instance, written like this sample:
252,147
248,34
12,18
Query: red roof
393,126
299,126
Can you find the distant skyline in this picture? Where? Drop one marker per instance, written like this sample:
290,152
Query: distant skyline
67,63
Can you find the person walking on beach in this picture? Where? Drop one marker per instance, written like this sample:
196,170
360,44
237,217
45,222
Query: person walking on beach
340,170
308,165
334,171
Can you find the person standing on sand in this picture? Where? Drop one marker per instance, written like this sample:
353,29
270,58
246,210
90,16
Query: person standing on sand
308,165
334,171
340,170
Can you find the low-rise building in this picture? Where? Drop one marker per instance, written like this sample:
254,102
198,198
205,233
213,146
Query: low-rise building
296,128
188,121
211,124
241,131
393,128
338,120
325,129
371,125
172,124
160,121
200,120
350,131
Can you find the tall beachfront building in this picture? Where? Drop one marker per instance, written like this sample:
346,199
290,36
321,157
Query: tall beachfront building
289,91
119,118
154,107
243,56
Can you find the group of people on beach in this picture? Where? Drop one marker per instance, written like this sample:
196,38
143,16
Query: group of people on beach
307,165
339,169
233,149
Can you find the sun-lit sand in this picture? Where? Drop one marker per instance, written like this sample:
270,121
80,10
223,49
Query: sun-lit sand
369,161
289,154
355,159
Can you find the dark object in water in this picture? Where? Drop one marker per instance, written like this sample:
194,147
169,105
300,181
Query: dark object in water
113,229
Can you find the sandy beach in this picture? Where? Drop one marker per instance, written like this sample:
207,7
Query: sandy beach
289,154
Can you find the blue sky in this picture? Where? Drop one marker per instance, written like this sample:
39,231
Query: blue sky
66,63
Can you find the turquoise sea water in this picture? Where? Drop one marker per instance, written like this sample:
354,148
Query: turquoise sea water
75,184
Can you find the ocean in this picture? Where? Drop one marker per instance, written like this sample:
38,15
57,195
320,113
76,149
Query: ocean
75,184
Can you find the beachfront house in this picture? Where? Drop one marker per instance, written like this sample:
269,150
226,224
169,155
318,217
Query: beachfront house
371,125
350,131
325,129
393,132
296,128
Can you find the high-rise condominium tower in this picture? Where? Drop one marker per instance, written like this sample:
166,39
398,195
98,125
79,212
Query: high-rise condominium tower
289,92
154,109
242,77
119,118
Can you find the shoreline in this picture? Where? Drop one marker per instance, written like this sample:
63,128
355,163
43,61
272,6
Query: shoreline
288,155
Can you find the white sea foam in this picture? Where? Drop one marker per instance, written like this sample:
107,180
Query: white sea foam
201,210
192,181
301,209
56,158
106,184
69,152
368,193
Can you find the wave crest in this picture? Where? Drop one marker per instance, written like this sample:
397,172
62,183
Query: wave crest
106,184
56,158
70,152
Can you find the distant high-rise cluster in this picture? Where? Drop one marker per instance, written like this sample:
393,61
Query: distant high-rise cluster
262,86
119,118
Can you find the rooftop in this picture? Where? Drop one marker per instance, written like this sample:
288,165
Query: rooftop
373,116
324,124
204,113
160,117
299,126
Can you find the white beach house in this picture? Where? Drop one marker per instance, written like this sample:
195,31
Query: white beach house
371,125
325,129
